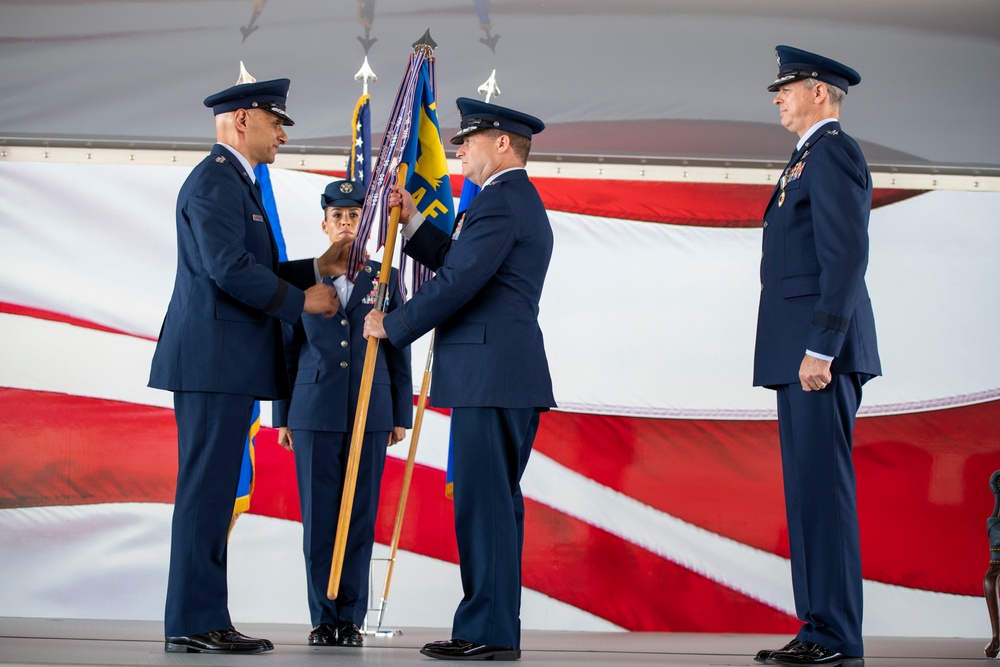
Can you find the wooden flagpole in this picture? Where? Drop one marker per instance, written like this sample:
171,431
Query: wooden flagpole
407,476
364,397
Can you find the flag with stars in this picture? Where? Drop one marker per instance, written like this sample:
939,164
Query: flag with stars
359,169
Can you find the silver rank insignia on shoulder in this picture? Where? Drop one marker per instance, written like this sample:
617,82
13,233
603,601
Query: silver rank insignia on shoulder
221,159
833,132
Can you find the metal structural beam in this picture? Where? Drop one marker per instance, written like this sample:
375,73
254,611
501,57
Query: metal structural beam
592,167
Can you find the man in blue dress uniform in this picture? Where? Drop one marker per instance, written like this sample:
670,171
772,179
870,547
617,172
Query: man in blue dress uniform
220,349
327,357
489,363
816,347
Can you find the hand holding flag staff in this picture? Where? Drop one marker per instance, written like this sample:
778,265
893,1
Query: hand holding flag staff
394,142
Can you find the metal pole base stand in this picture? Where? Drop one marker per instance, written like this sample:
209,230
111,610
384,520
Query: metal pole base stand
376,612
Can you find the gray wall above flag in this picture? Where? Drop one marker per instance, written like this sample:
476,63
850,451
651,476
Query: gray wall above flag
638,77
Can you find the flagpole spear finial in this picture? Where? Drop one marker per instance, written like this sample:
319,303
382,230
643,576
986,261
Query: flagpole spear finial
425,43
244,76
364,75
490,87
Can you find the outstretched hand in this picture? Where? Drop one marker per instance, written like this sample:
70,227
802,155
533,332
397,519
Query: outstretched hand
321,299
334,261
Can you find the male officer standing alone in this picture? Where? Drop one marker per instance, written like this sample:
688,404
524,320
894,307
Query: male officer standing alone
816,347
327,357
220,349
489,363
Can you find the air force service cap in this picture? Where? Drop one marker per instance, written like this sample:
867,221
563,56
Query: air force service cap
478,115
796,64
267,95
343,193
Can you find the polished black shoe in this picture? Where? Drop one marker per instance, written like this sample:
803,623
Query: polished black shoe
323,634
217,641
266,642
764,656
458,649
808,653
349,634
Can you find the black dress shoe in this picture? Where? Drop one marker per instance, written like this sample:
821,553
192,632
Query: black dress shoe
349,634
217,641
323,634
458,649
266,642
764,656
808,653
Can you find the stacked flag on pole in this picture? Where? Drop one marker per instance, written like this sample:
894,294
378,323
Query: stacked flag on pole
394,142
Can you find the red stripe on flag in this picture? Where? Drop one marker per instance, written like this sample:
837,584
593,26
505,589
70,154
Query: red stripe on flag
69,450
698,204
922,484
50,316
918,469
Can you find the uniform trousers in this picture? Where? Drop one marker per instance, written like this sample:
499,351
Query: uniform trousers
490,450
211,433
320,467
816,431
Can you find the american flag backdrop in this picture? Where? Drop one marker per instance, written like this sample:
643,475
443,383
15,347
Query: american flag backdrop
653,495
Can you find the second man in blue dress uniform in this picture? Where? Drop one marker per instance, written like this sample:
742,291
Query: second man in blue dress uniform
490,366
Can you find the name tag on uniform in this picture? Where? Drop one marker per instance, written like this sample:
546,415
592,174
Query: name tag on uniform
258,218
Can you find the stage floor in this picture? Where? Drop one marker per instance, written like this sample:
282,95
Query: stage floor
61,642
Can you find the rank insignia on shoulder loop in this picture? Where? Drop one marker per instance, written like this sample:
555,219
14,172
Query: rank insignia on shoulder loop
221,159
833,132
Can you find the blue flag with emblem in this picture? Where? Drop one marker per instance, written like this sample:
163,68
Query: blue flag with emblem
427,181
244,490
